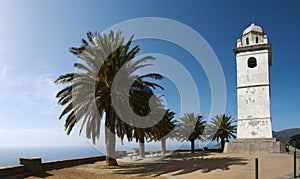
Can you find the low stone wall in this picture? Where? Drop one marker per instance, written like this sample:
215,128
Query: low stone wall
70,163
254,146
34,166
17,171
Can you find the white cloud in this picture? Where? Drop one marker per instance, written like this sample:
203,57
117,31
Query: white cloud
3,72
36,92
29,102
43,93
3,67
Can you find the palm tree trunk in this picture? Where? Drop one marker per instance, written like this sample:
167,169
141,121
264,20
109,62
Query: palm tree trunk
110,139
163,146
193,146
142,148
222,144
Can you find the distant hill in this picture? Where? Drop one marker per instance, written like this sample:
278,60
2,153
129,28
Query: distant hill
285,135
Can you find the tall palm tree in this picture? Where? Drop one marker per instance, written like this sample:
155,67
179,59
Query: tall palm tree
139,96
191,127
222,127
87,94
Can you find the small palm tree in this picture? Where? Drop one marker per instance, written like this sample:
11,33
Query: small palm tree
191,127
221,127
162,130
143,109
166,125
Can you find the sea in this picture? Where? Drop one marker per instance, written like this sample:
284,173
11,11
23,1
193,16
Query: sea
9,156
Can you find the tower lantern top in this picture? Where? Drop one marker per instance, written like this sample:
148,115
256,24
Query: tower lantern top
252,35
254,29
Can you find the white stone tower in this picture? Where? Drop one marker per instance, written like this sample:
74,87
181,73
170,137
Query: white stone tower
253,59
254,128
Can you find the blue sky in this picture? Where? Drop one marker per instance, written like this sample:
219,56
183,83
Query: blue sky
35,37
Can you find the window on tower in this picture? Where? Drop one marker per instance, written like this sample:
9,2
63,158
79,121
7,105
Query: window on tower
247,41
257,40
252,62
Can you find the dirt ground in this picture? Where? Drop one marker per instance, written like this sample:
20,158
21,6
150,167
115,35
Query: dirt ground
186,166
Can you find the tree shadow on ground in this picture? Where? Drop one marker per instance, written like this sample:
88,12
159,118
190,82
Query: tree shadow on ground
42,174
181,164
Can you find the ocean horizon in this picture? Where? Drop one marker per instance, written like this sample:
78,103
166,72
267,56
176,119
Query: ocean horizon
9,156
